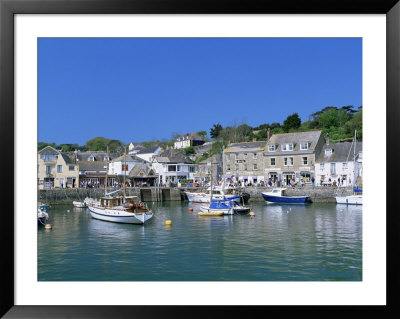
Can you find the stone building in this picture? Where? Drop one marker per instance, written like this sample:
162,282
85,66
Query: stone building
244,162
291,156
56,169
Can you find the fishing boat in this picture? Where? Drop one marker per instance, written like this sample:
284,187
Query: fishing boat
356,198
79,204
42,216
119,209
278,195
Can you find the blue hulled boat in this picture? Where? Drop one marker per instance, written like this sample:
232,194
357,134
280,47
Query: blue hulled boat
278,195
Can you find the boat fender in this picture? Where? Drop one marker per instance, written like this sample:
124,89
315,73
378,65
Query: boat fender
168,222
141,205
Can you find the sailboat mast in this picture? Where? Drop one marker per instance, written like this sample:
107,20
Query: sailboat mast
211,184
125,169
105,186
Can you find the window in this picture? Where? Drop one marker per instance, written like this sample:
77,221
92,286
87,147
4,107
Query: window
333,168
255,166
245,155
49,158
38,168
245,167
304,160
287,147
237,167
322,166
272,161
288,161
344,165
178,168
328,151
304,146
255,156
192,169
59,168
71,167
49,169
228,167
271,148
171,168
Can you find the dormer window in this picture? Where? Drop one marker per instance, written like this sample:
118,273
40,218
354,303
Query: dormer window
287,147
328,151
271,148
304,146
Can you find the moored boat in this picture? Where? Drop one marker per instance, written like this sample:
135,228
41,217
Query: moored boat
42,216
79,204
119,209
216,208
278,195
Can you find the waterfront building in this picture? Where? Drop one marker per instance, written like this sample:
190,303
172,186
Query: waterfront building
172,169
189,139
204,169
56,169
338,161
291,157
244,162
142,175
148,153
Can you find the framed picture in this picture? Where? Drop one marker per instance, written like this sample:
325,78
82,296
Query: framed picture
26,27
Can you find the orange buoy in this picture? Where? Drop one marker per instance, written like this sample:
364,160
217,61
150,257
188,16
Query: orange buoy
190,209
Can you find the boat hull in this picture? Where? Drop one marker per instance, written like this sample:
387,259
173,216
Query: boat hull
214,211
119,216
350,200
79,204
286,199
205,198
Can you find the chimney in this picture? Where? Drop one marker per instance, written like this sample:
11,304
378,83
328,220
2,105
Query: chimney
327,138
268,134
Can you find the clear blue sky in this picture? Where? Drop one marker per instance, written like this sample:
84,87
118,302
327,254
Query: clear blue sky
134,89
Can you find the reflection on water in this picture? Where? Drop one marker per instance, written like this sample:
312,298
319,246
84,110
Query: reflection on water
317,242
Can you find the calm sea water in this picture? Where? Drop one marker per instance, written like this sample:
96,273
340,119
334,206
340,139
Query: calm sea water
316,242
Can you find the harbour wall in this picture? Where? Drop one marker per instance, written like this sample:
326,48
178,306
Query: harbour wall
321,194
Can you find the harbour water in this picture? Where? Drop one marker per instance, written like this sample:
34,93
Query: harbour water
314,242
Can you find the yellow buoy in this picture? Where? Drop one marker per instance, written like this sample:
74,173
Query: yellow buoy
47,226
168,222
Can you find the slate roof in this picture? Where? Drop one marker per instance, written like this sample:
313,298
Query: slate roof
48,150
189,136
148,150
341,152
141,168
68,159
173,160
245,146
311,137
92,166
129,158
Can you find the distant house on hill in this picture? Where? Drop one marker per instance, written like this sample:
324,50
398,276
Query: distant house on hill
189,139
135,147
148,153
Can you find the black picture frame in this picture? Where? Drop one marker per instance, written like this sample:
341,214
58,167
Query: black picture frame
8,8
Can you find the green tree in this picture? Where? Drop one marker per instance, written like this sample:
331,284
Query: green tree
189,150
203,134
216,130
42,145
97,144
292,122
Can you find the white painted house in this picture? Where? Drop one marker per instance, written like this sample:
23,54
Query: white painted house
189,139
173,169
148,153
339,161
115,166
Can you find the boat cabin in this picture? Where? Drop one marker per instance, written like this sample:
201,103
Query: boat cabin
279,192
